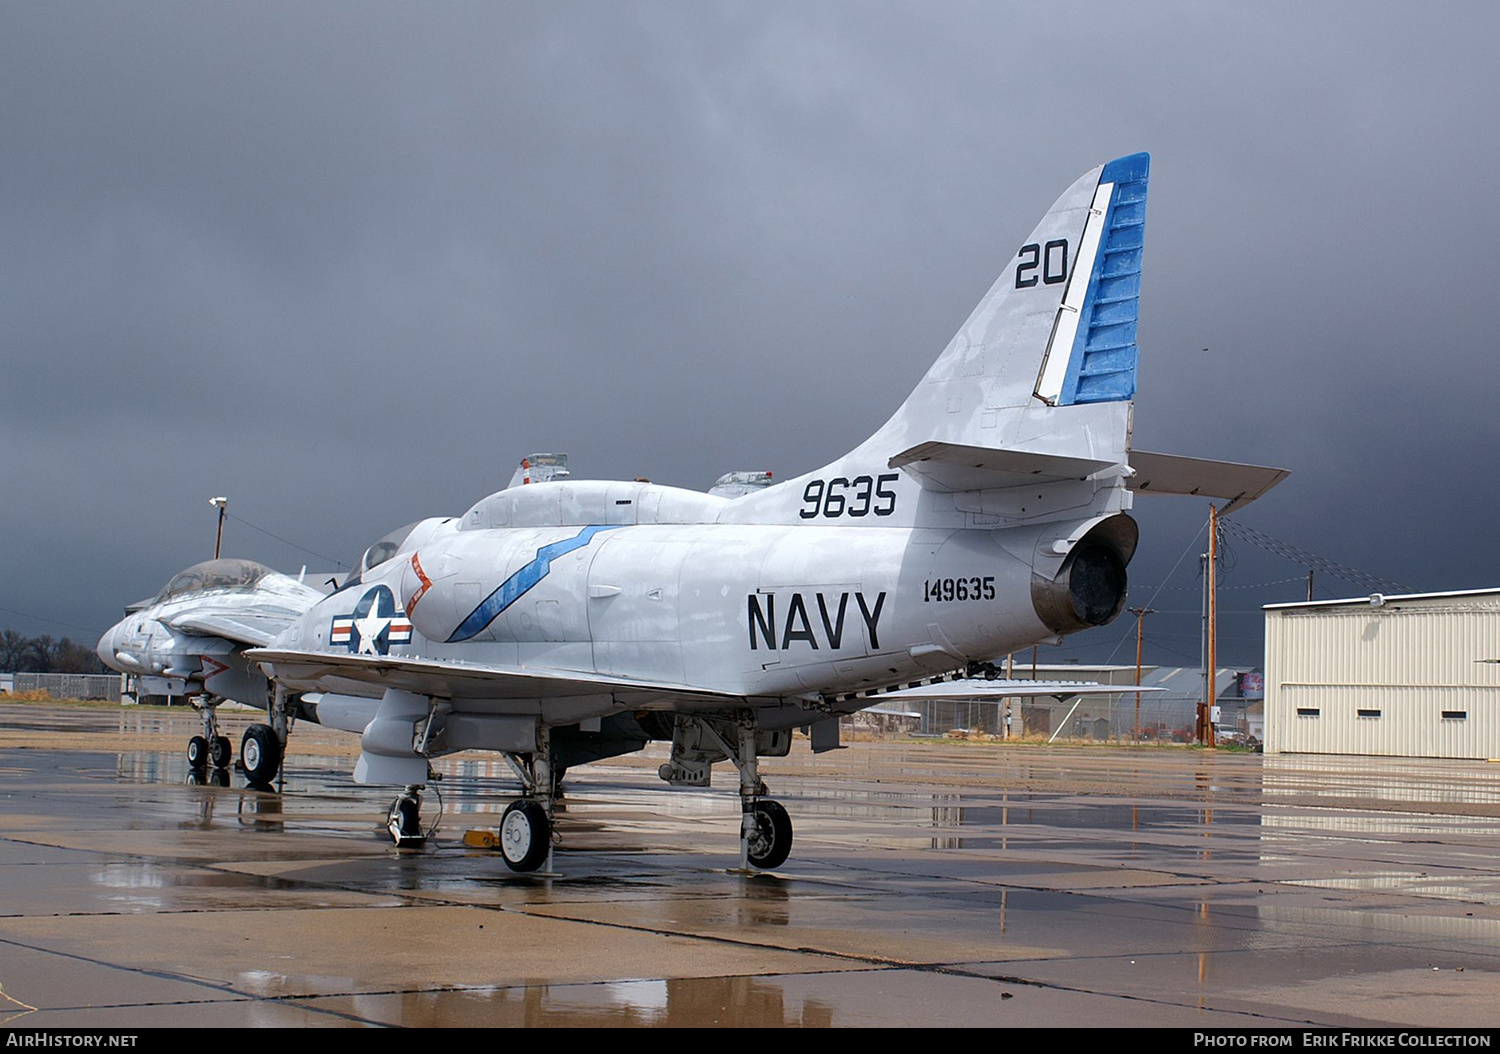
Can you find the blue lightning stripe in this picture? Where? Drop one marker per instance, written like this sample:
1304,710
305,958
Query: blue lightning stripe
514,587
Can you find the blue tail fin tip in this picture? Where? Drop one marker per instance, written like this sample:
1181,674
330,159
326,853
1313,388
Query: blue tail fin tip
1103,365
1131,168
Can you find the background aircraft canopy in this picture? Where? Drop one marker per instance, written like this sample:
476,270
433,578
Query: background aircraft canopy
214,574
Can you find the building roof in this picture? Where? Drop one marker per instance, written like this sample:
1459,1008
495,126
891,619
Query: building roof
1387,598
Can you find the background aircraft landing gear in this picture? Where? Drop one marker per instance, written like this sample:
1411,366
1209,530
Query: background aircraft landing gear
404,820
210,747
220,752
264,746
260,755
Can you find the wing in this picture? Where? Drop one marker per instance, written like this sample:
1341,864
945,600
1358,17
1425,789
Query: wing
242,627
977,689
467,680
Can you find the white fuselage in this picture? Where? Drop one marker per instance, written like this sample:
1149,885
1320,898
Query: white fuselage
168,659
745,609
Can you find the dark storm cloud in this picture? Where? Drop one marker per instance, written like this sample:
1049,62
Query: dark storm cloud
346,264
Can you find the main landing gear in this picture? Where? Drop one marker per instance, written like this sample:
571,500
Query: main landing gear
526,828
765,827
699,741
263,747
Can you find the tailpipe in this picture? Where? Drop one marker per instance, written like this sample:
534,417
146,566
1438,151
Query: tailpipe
1090,588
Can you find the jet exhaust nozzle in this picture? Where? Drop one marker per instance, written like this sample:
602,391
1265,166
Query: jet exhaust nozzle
1090,588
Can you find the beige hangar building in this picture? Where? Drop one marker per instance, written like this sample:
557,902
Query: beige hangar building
1403,676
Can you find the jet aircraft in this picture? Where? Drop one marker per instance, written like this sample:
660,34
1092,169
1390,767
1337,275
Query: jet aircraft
190,639
566,621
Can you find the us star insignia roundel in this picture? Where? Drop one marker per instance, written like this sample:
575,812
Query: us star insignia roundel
376,623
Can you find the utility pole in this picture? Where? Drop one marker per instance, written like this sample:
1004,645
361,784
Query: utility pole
1213,623
219,503
1309,585
1202,648
1140,632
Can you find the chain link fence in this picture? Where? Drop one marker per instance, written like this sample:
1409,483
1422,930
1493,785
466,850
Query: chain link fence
1098,718
68,685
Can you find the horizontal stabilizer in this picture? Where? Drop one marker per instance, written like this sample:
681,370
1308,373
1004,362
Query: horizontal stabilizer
952,467
1171,474
975,688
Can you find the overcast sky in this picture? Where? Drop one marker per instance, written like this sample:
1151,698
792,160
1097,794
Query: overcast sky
347,263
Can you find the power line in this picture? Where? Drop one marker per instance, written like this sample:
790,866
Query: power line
1313,561
51,621
1191,542
284,541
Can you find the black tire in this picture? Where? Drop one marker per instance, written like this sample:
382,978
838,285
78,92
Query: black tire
220,753
197,752
525,835
196,777
404,820
260,754
771,842
218,778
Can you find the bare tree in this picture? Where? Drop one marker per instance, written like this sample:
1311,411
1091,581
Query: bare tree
12,649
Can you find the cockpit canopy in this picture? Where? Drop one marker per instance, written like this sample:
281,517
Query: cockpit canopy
214,574
384,549
379,553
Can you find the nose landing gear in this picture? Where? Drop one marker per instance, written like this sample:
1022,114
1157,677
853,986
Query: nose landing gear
210,747
404,820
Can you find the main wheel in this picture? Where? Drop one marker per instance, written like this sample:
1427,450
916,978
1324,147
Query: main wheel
197,752
525,835
404,820
220,752
771,841
260,753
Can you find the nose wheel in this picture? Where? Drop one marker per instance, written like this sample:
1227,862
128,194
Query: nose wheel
404,820
210,748
220,753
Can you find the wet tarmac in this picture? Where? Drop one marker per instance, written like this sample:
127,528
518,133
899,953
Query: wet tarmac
930,884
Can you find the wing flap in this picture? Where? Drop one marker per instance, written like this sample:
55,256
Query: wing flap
976,688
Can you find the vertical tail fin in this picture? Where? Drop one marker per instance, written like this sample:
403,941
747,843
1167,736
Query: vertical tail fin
1044,367
1057,330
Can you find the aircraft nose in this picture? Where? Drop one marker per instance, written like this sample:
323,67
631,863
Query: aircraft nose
106,648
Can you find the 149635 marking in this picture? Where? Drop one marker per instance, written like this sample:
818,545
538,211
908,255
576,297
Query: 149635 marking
945,589
861,496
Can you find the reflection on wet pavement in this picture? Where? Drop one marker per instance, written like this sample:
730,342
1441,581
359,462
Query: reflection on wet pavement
931,883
